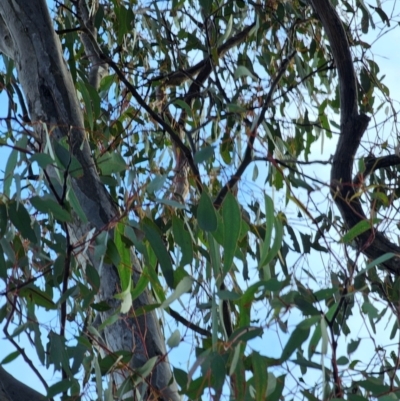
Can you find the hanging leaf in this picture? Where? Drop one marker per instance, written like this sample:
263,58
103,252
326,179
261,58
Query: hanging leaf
156,183
232,219
157,244
260,376
3,219
110,163
21,220
48,205
9,172
125,264
184,240
297,338
359,228
174,339
183,286
242,71
206,214
204,154
37,297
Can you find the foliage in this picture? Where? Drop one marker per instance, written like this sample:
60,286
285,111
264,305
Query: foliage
231,100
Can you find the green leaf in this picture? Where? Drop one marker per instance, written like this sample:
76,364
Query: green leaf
58,388
379,260
236,108
183,286
109,361
218,370
75,205
156,183
99,380
9,171
42,159
170,202
206,6
232,219
3,265
147,368
126,298
181,377
260,375
183,105
276,246
157,244
88,103
110,163
48,205
245,334
141,285
174,340
112,254
106,83
21,220
3,219
358,229
227,32
342,360
68,161
297,338
204,154
242,71
125,264
325,336
382,14
37,297
269,216
353,345
93,277
315,338
184,240
370,310
214,256
10,357
206,214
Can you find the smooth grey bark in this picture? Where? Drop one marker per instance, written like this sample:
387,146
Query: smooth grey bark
352,127
28,37
13,390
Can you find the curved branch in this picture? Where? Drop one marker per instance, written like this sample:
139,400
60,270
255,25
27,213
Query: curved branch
353,125
375,163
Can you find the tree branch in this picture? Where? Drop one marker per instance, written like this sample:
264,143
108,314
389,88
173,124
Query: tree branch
353,125
179,77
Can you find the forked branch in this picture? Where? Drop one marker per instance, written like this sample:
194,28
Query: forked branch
352,127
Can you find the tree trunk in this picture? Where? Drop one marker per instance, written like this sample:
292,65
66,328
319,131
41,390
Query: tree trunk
27,36
13,390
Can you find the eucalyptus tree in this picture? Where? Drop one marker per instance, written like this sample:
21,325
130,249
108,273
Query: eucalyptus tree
155,155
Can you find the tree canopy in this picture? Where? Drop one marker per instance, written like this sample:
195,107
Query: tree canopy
164,205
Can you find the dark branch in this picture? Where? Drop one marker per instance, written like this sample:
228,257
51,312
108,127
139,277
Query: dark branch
375,163
353,125
188,324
